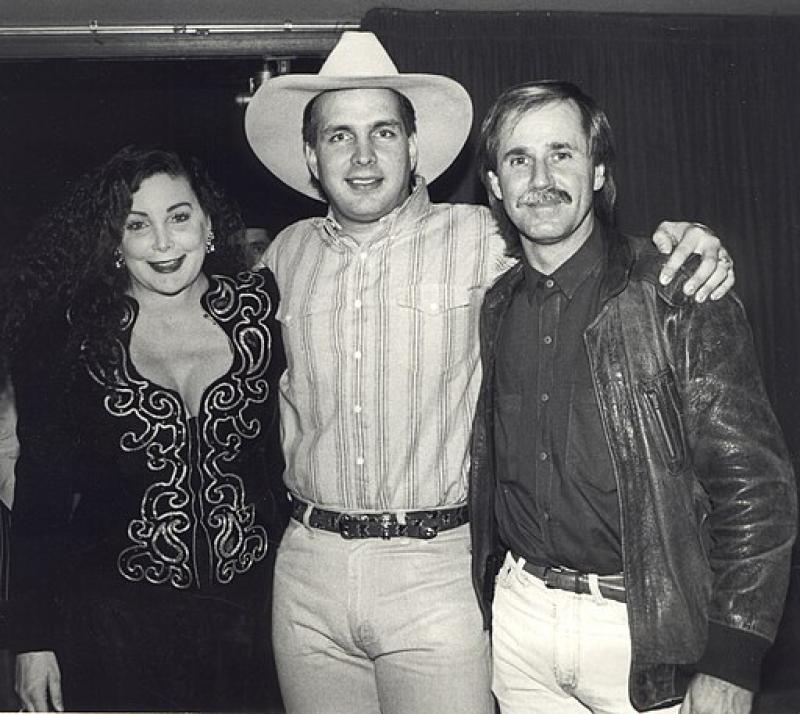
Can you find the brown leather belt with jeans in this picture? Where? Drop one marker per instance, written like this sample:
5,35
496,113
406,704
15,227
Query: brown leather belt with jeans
610,586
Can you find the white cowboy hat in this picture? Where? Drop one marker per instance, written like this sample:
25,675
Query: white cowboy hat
274,117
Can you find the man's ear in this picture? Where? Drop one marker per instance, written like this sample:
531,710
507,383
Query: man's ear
599,176
494,185
412,152
311,160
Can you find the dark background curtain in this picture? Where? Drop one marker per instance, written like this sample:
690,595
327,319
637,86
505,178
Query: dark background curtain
706,113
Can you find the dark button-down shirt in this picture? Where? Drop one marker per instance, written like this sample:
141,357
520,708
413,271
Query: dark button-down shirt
556,500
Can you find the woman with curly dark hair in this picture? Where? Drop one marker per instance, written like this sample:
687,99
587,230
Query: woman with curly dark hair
148,487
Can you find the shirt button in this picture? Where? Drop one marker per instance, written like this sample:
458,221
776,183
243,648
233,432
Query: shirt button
548,340
542,456
360,460
357,303
434,307
357,354
546,516
363,256
357,409
545,397
549,283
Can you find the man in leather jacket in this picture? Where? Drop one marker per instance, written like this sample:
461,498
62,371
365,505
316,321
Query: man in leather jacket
629,479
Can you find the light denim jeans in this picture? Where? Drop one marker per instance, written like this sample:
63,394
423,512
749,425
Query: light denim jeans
390,626
557,652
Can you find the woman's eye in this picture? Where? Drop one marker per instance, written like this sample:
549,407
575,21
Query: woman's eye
135,226
181,217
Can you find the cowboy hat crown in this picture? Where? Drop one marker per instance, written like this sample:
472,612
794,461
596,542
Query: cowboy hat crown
358,54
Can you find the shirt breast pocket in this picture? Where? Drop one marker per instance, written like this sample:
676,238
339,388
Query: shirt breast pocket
444,318
307,332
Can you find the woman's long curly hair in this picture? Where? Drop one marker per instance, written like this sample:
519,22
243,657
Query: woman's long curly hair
68,261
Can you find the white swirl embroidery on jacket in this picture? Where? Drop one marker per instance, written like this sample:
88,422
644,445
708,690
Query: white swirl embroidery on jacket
238,541
162,535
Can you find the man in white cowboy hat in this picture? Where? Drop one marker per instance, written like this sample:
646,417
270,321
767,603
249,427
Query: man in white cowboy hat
373,606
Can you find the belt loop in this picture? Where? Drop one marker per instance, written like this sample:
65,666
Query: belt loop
519,571
594,589
503,577
307,518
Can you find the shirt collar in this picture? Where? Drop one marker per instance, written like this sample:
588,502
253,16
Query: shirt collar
408,212
571,275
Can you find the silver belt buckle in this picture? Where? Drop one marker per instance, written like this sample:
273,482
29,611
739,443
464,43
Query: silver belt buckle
385,522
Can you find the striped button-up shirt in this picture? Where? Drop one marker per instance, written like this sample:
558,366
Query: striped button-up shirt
382,354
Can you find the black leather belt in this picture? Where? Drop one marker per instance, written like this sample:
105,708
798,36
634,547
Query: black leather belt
610,586
416,524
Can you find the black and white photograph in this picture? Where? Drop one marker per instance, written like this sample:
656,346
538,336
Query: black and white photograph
424,356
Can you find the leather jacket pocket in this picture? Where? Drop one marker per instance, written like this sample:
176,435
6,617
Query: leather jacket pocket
661,405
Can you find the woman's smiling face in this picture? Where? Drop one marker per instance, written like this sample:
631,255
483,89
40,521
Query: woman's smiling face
164,236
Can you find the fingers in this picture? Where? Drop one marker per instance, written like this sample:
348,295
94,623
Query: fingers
726,284
717,282
714,275
33,698
38,681
690,238
709,275
54,690
664,239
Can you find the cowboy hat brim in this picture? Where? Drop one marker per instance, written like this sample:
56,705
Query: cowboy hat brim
274,119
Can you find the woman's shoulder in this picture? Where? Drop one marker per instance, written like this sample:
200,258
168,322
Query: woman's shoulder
243,281
232,293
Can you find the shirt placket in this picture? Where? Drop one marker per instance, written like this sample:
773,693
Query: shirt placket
357,299
549,310
364,299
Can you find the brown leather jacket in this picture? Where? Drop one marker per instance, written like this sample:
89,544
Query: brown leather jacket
706,491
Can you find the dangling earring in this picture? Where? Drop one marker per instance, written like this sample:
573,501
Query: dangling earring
210,247
119,261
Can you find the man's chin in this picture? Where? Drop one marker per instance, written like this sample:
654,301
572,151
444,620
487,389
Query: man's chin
541,236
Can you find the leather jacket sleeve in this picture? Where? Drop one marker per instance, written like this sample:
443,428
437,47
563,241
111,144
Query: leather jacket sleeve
741,461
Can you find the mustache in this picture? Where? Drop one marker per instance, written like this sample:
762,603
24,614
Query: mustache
544,197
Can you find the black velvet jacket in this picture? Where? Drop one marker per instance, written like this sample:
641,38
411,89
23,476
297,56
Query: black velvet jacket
121,492
706,492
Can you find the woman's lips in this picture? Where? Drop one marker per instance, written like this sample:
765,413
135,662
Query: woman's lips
167,266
